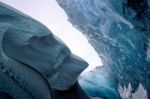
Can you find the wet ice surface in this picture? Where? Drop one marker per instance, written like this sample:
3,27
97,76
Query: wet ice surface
119,31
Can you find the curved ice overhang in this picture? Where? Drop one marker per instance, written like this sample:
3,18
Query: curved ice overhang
57,22
24,41
117,37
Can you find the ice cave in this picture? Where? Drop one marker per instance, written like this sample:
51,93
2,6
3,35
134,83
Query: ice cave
75,49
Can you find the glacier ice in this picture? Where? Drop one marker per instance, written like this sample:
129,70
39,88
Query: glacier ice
119,32
34,63
97,83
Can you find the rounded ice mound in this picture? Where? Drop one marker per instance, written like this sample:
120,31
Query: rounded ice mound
34,57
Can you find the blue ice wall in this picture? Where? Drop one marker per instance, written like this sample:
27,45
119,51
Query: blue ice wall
119,32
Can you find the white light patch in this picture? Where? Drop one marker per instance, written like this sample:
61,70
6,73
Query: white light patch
53,16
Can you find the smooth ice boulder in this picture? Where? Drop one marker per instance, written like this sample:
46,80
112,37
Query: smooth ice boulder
34,62
119,32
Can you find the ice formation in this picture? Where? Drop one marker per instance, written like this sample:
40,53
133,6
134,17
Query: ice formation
119,32
34,64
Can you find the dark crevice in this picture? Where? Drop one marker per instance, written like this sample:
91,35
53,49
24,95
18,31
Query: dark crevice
75,92
139,6
5,96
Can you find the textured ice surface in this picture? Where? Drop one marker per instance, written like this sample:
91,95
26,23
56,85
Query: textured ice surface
98,83
58,24
32,60
119,31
